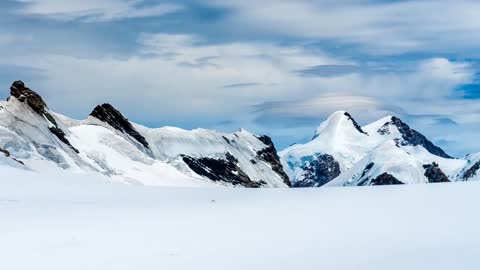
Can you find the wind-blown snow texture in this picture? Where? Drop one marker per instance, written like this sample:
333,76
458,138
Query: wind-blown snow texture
64,221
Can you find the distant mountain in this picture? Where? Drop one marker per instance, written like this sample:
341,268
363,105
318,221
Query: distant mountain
108,144
386,152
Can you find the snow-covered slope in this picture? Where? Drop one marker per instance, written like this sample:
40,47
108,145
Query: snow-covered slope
50,221
387,151
471,170
107,144
338,143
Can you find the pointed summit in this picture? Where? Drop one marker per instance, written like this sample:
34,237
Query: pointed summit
394,126
355,124
26,95
23,93
340,120
111,116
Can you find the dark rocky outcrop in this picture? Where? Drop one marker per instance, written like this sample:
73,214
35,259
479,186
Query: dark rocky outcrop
385,179
269,155
23,93
472,171
62,137
412,137
355,124
35,101
111,116
365,171
221,170
434,174
7,154
226,140
320,171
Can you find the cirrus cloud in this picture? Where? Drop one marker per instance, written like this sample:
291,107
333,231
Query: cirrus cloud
93,10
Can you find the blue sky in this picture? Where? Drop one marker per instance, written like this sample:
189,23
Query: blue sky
274,67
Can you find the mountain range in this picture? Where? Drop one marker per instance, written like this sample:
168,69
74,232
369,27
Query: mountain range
108,145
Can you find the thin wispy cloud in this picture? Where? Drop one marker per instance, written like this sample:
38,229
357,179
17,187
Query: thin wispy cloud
329,70
379,27
92,10
240,85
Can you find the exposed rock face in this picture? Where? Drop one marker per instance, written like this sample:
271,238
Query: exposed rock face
412,137
269,155
434,174
472,171
385,179
35,101
355,124
7,154
62,137
365,171
108,114
23,93
320,171
224,170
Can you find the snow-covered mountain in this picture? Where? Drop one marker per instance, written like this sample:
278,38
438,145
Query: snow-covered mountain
388,151
107,144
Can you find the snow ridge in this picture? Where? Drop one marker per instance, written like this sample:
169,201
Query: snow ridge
108,145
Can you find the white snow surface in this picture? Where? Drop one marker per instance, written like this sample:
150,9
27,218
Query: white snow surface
61,220
354,150
108,152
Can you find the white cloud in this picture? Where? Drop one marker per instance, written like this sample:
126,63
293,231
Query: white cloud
426,90
94,10
181,78
173,71
380,28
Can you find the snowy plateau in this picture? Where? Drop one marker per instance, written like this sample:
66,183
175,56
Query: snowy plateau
56,221
106,193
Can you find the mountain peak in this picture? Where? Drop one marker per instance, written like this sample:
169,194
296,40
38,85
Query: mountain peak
355,124
339,120
26,95
33,99
410,136
111,116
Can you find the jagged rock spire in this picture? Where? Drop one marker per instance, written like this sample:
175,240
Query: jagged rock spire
355,124
23,93
35,101
111,116
413,137
269,155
